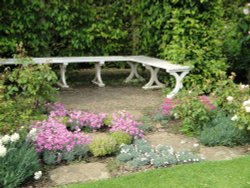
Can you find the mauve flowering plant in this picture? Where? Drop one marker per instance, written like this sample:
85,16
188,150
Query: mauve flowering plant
123,121
56,109
193,109
76,119
167,107
206,101
51,135
86,119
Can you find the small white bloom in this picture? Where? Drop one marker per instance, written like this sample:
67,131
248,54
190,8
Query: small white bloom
242,86
183,142
196,145
37,175
33,132
5,139
230,98
246,11
247,108
248,4
234,118
189,91
246,103
184,161
143,159
3,151
176,116
14,137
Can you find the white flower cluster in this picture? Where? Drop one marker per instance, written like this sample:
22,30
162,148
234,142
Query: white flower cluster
37,175
234,118
32,134
242,86
246,105
3,150
5,140
186,157
230,98
246,9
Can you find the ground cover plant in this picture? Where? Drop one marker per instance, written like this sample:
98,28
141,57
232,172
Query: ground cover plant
141,154
206,174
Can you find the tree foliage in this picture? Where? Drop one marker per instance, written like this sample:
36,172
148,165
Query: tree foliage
209,35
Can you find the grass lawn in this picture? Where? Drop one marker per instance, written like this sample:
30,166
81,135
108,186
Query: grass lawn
220,174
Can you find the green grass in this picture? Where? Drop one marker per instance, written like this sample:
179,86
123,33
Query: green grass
220,174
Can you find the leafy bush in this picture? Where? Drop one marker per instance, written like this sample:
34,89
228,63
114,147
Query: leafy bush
19,162
24,91
233,99
30,81
222,131
195,111
103,145
17,113
141,153
121,138
187,32
237,38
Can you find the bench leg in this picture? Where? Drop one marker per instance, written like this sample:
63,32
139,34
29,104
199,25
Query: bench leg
153,83
133,72
98,78
63,82
178,83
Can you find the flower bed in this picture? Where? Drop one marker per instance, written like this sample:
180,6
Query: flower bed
219,118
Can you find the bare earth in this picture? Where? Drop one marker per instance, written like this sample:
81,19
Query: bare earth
112,99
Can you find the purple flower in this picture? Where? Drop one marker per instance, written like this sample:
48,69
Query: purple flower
123,121
52,135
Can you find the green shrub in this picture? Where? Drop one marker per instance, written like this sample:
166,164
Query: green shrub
121,137
19,163
103,145
29,80
17,113
23,93
222,131
195,110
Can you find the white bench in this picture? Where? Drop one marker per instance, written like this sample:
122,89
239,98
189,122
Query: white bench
152,64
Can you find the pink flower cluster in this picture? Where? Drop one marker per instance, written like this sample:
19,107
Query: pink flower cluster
123,121
56,109
78,118
54,136
167,106
87,119
207,102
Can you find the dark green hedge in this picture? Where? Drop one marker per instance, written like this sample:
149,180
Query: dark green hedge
201,33
64,27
